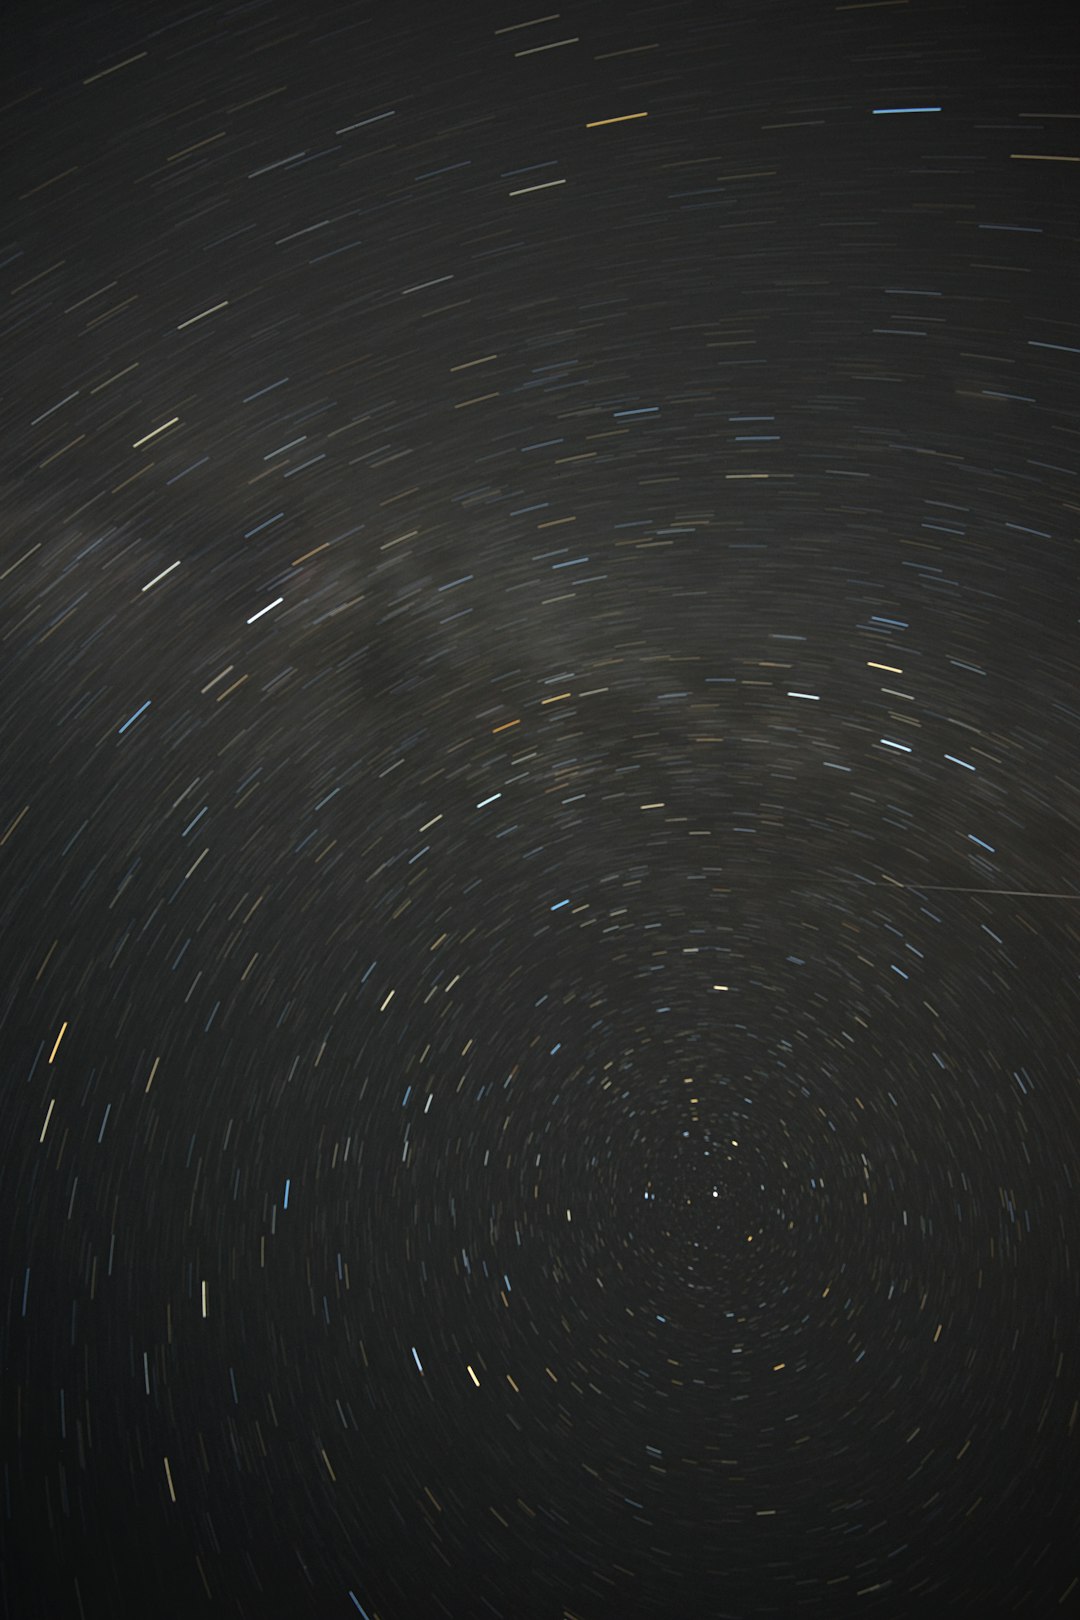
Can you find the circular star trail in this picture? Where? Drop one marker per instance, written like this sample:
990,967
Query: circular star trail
539,813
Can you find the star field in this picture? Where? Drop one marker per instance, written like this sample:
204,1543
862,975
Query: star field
539,812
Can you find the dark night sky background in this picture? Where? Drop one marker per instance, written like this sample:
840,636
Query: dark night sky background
539,812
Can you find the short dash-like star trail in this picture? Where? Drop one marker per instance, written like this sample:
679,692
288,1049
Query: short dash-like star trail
539,811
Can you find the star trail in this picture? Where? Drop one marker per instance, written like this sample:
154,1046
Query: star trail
539,812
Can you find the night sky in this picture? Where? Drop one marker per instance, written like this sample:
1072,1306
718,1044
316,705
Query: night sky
540,811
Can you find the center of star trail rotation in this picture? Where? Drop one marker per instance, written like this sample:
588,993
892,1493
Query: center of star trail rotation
539,805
